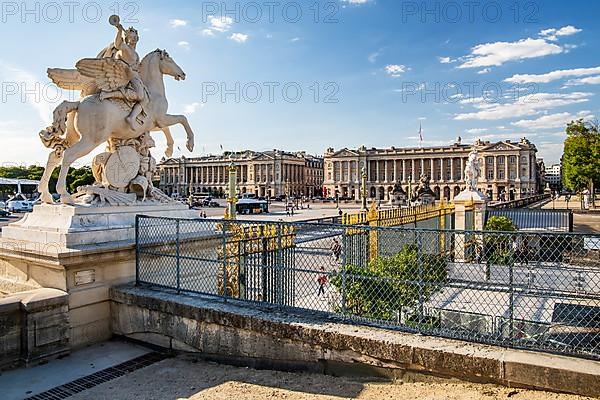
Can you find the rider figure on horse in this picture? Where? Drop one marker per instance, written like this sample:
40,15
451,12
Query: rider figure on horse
123,48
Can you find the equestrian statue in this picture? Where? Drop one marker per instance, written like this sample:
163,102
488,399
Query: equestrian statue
122,100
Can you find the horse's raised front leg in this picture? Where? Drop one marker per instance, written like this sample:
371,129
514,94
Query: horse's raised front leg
170,120
72,154
169,138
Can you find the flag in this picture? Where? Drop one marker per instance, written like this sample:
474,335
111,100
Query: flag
221,147
420,134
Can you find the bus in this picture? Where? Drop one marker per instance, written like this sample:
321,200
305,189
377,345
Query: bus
251,206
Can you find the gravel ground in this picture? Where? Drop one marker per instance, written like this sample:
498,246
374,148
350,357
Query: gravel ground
185,378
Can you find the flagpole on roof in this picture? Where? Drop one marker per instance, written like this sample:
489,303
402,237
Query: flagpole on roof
420,134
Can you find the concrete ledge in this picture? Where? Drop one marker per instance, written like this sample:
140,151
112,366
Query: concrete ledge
262,335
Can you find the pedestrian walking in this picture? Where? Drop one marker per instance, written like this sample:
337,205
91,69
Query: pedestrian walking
336,249
322,281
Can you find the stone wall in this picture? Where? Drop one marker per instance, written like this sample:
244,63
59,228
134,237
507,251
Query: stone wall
34,325
261,336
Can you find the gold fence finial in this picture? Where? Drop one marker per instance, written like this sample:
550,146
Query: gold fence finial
373,214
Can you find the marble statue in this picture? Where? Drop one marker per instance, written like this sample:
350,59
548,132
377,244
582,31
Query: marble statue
122,100
423,193
472,171
398,197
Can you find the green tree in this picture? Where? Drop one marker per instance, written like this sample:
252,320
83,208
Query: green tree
79,177
498,245
380,289
581,158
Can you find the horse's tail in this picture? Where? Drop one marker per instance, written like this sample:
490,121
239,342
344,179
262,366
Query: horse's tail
53,137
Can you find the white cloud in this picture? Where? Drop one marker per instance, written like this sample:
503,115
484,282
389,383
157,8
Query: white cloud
177,23
445,60
395,70
476,131
356,2
411,88
239,37
553,34
373,57
31,90
484,71
529,105
591,80
553,76
550,152
498,53
296,39
220,24
551,121
184,44
192,108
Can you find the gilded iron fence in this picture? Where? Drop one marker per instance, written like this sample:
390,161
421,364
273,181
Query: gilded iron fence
530,290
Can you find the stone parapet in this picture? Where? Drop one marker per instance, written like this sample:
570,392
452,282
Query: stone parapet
261,336
34,325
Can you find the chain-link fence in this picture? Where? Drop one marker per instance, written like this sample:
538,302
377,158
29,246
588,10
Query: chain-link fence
521,289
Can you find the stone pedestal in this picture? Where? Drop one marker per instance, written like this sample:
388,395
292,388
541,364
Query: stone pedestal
82,251
468,201
67,226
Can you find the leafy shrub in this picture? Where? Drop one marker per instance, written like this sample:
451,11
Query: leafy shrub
380,289
497,245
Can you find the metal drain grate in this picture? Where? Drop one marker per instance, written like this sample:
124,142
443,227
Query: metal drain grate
95,379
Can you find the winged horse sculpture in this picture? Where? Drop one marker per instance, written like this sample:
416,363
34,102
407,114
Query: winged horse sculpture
108,96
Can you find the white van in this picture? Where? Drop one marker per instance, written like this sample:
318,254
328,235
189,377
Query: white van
19,203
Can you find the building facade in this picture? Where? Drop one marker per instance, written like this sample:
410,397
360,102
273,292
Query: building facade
507,167
268,174
553,176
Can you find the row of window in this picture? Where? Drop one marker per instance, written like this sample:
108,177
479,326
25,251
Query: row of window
501,159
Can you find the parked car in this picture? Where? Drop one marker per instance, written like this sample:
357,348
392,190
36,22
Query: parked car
19,204
214,204
4,213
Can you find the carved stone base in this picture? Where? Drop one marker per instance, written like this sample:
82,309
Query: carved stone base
68,226
471,195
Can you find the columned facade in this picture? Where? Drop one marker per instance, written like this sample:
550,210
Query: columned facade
509,169
267,174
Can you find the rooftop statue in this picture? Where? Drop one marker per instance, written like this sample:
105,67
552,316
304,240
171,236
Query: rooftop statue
122,100
472,171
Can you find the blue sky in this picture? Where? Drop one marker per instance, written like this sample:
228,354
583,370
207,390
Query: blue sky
370,71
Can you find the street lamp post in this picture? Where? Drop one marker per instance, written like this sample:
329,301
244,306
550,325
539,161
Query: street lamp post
363,189
232,195
410,194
